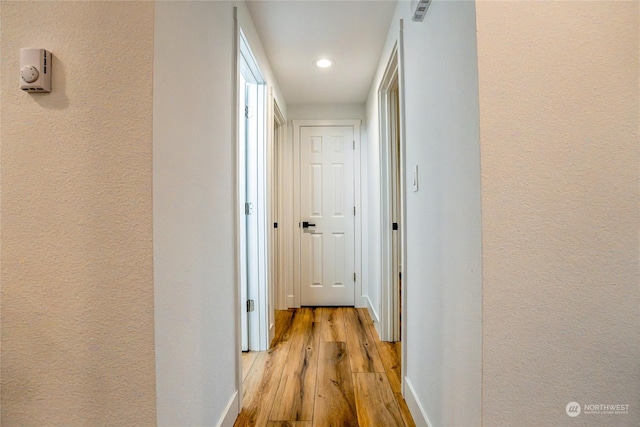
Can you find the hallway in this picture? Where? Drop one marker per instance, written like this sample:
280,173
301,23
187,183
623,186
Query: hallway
326,367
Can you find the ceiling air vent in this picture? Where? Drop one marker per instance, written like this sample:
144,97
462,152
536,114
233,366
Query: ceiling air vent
421,10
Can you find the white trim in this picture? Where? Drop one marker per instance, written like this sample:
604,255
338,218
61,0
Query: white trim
357,173
254,232
403,211
236,213
372,311
390,317
262,212
359,301
271,214
230,413
296,214
374,314
280,246
418,413
356,123
275,139
289,185
364,301
388,308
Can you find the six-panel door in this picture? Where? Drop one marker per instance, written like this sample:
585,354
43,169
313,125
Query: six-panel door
327,204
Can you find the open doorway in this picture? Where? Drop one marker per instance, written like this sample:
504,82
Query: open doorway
277,265
252,189
392,173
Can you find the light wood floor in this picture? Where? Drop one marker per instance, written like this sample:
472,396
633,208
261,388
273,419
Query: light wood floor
326,367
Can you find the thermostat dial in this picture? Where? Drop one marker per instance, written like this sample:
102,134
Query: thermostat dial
29,74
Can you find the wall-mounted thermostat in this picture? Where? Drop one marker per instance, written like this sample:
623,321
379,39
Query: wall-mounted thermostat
35,70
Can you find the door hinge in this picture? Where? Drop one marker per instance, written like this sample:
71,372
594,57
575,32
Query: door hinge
354,145
354,277
394,226
248,208
250,306
248,112
354,211
275,225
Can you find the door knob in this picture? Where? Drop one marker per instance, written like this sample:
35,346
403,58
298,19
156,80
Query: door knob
307,224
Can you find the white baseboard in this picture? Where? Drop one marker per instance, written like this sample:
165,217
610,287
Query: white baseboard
417,411
372,311
374,315
230,414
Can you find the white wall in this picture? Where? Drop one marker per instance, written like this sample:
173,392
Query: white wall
326,111
559,95
250,32
194,219
77,272
443,282
443,275
194,224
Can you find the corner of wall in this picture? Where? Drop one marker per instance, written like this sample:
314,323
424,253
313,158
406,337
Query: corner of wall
230,412
418,413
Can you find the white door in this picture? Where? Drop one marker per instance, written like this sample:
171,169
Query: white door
327,212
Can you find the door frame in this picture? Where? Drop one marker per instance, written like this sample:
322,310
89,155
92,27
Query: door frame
276,140
359,301
389,309
391,110
254,256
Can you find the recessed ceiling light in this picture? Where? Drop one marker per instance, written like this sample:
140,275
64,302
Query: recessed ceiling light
324,62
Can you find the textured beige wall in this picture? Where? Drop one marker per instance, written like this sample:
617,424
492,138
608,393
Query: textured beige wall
559,143
77,278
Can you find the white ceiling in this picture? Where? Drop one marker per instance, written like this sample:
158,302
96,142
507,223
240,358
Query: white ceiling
296,33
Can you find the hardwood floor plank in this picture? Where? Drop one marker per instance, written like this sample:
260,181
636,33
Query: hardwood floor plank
289,424
261,386
333,325
284,322
363,353
404,411
294,400
372,328
248,414
335,398
253,379
375,402
302,319
248,358
363,314
390,355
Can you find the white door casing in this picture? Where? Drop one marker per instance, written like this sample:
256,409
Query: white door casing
328,198
253,198
393,185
